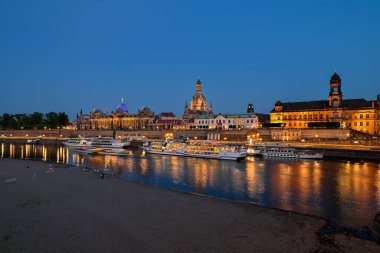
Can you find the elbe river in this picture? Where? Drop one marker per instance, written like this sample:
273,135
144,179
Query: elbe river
347,192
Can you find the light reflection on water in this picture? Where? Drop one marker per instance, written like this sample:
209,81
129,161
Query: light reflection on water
348,192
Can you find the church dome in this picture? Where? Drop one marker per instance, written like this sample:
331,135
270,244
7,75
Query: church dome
335,78
122,107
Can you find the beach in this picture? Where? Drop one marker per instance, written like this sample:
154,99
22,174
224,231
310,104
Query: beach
46,207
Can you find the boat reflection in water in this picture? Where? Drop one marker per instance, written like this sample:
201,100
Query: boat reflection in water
347,192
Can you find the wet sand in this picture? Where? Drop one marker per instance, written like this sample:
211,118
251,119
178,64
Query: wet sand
50,208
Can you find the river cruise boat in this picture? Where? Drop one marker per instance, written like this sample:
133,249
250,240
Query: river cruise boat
79,142
257,148
289,153
104,142
196,150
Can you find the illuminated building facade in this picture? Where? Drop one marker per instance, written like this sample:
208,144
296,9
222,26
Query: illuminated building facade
121,119
357,114
226,121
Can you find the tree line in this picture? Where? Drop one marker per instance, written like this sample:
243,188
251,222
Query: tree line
35,120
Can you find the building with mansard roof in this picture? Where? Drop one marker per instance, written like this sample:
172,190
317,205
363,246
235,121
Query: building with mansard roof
357,114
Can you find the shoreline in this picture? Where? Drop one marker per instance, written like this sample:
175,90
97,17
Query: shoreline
57,205
338,151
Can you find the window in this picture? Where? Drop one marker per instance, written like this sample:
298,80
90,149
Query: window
229,121
320,116
290,124
361,123
335,103
356,123
278,118
224,121
285,116
361,116
304,116
310,116
367,123
367,116
315,116
299,116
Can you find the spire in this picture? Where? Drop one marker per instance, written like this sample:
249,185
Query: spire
198,87
122,100
211,110
186,105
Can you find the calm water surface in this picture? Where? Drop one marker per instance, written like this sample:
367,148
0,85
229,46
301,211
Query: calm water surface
346,192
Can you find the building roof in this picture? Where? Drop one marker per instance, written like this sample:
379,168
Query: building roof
335,78
324,104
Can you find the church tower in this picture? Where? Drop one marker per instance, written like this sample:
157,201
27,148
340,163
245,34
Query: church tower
335,95
250,108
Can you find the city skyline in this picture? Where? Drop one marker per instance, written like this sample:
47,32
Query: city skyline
73,56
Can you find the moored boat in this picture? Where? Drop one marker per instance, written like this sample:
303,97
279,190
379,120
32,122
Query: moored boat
33,141
196,150
289,153
79,142
109,143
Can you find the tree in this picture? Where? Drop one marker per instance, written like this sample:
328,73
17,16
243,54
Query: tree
52,119
63,119
36,120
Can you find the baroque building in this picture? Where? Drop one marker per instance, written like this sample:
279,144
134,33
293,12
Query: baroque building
198,104
249,120
121,119
357,114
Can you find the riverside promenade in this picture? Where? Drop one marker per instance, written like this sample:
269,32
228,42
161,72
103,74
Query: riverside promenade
52,208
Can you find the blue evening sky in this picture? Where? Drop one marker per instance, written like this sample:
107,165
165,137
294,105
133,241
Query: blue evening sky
72,55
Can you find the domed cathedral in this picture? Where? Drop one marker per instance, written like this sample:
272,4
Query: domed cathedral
336,112
198,104
122,109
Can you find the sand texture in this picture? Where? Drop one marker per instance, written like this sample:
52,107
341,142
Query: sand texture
49,208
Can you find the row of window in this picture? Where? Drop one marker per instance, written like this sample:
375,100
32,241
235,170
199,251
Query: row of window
310,116
361,123
349,124
223,121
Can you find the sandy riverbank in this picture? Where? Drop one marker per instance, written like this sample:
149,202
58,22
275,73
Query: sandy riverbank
57,209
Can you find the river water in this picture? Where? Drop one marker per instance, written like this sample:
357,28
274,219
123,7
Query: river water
346,192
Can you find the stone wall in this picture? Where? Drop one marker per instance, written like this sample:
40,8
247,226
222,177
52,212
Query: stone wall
225,135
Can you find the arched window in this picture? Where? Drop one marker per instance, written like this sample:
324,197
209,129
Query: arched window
335,103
